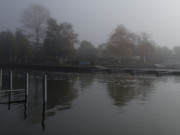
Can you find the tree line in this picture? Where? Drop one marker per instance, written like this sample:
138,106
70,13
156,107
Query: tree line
43,40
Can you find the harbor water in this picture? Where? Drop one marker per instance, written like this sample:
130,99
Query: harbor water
92,104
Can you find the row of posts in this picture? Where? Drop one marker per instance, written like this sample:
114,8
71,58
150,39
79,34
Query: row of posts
26,85
26,94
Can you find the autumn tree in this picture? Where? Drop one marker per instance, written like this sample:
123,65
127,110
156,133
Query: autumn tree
8,49
34,20
59,41
145,46
177,52
121,43
87,51
24,50
162,54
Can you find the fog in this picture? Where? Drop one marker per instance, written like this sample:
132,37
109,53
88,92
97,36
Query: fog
94,20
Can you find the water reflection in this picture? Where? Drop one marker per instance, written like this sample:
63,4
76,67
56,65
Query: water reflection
124,88
85,80
43,117
60,94
63,89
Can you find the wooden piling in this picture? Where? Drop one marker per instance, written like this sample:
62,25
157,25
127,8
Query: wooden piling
1,79
10,80
163,73
10,86
44,102
132,72
44,89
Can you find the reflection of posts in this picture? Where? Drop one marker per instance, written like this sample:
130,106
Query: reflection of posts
10,87
44,101
25,109
10,80
9,103
43,117
26,86
44,89
26,95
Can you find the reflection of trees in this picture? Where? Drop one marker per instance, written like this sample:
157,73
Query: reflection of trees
125,88
86,80
60,93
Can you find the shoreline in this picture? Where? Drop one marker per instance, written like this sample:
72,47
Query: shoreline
132,69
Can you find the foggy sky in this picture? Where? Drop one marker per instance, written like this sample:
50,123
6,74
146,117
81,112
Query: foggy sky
94,20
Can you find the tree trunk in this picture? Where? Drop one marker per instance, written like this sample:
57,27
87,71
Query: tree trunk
144,59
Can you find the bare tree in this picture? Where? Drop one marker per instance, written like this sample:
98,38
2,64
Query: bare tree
34,19
146,46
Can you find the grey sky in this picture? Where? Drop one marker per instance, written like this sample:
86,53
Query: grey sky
94,20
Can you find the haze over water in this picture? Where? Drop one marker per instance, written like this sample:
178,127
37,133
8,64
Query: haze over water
94,20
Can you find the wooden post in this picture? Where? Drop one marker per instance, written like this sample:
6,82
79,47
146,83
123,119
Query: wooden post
44,101
26,95
1,79
26,85
44,89
157,74
10,80
10,86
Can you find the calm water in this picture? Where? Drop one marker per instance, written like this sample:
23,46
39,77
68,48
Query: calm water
93,104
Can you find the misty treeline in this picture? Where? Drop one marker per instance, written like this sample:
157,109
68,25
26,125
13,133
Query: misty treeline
44,40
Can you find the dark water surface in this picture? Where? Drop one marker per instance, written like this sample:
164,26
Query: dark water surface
94,104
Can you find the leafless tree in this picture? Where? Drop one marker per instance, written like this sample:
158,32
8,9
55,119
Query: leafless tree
34,19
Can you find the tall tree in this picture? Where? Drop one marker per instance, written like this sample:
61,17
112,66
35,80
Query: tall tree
121,42
59,41
7,47
163,54
177,52
87,51
145,47
24,49
34,19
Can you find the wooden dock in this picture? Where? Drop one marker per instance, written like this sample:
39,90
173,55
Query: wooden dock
25,90
135,71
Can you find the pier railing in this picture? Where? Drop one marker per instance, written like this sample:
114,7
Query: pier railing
25,90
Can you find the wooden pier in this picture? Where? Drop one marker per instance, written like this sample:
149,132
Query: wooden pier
136,71
25,90
26,93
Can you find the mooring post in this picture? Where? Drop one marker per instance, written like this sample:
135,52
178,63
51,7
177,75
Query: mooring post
44,89
26,85
44,101
10,85
26,94
1,79
10,79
